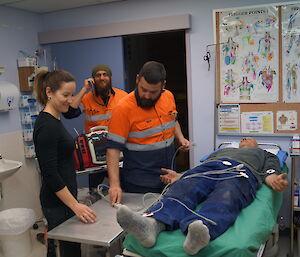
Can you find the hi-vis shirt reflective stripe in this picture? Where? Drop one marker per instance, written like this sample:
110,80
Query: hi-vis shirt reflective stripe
150,147
98,117
96,114
152,131
141,147
140,129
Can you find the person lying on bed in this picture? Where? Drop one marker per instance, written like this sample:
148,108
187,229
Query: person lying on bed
225,184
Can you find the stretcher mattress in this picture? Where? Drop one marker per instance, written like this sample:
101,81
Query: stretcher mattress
251,229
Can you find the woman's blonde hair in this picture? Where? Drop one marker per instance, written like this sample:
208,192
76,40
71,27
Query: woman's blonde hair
52,79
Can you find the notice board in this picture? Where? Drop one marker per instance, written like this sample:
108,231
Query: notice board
258,61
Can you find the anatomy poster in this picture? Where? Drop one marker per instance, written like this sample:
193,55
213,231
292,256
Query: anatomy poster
291,53
286,120
257,122
249,55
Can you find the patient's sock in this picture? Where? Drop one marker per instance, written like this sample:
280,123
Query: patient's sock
144,229
197,237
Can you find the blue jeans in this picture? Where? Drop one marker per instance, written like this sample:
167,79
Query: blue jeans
54,217
222,200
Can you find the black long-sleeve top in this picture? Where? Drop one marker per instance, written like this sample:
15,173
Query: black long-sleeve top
54,149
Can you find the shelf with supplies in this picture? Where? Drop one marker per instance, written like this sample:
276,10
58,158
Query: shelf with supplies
295,191
29,110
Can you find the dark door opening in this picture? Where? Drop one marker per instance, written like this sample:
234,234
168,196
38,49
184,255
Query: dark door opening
168,48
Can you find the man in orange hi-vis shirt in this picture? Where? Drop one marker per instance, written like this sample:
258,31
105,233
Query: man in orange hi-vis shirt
97,99
143,126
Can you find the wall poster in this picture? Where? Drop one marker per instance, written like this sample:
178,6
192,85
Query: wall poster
291,53
257,122
249,55
229,118
286,120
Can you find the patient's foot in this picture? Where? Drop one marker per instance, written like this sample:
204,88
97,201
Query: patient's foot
197,237
144,229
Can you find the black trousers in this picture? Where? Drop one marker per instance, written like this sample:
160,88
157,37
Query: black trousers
56,216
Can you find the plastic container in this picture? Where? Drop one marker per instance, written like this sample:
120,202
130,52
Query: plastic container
295,149
296,197
15,234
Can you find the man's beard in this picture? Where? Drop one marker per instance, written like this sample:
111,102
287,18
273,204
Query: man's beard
103,91
145,103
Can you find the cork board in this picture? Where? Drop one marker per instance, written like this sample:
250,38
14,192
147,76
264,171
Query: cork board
280,104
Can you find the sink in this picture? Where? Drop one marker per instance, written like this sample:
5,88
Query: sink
8,168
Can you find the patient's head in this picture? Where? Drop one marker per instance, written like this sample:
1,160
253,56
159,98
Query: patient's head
248,142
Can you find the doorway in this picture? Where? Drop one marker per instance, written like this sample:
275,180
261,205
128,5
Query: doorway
168,48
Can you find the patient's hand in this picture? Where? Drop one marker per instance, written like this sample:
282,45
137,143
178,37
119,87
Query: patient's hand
277,182
170,177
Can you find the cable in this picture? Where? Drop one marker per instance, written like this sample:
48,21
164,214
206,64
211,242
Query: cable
195,213
173,158
99,191
230,169
174,155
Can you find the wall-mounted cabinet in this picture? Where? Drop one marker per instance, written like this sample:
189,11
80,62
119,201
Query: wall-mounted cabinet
26,78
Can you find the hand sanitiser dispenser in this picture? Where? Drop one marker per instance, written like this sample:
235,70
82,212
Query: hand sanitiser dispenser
9,96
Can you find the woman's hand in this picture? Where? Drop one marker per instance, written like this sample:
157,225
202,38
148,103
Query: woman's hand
84,213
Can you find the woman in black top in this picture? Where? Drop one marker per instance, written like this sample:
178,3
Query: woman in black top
54,149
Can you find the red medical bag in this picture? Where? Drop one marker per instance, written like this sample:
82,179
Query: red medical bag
82,156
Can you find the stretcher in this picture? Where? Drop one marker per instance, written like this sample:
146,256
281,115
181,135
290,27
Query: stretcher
246,238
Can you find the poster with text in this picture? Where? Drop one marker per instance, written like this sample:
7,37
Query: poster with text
291,53
229,118
249,55
257,122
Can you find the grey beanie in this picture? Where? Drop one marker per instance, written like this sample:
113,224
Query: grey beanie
101,67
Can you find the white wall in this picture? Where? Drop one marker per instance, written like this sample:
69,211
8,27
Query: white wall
18,31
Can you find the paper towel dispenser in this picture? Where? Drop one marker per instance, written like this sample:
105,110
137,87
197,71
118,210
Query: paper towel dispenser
9,96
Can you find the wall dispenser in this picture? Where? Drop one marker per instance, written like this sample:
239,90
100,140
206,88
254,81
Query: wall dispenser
9,96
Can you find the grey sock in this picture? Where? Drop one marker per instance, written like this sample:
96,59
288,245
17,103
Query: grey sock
144,229
197,237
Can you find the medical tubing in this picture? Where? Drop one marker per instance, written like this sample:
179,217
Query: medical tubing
173,158
158,200
231,170
174,155
235,176
100,187
195,213
99,191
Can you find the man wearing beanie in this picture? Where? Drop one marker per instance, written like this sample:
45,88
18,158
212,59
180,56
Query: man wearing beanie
97,99
99,102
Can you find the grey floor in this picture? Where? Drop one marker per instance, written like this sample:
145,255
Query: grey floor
284,245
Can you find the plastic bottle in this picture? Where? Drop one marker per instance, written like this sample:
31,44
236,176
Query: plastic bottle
296,197
295,145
